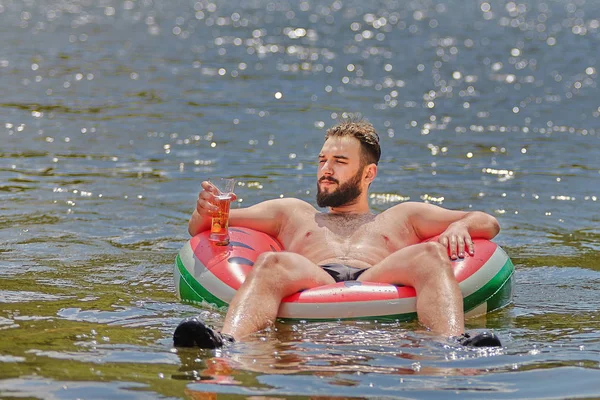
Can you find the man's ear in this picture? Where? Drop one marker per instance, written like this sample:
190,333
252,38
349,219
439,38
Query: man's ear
371,172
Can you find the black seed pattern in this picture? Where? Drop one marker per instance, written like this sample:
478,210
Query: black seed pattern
240,260
240,244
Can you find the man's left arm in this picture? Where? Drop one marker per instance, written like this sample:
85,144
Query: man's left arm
456,229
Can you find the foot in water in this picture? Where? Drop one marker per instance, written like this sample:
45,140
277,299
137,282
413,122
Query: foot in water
483,339
192,332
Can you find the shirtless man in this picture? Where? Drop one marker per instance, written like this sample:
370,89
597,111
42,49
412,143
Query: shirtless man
346,243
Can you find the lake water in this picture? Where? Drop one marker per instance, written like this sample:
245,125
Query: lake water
113,112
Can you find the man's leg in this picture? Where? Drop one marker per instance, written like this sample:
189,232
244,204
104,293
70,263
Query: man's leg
275,275
427,268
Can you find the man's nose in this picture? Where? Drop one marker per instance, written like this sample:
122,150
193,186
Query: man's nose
326,168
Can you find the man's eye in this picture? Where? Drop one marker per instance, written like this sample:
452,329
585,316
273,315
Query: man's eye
321,161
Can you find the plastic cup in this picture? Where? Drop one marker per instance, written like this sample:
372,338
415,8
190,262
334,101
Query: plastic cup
219,227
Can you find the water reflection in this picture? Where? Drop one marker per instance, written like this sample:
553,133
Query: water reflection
340,351
113,112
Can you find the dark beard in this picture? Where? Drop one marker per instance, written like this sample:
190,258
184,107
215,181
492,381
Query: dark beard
346,192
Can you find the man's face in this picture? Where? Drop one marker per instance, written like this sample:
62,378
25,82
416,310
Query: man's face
340,173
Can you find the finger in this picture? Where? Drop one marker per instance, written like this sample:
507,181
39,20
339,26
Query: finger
453,247
210,207
205,207
208,197
460,245
206,185
469,246
209,187
199,208
443,240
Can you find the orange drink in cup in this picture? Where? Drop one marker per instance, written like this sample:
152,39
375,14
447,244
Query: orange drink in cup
219,232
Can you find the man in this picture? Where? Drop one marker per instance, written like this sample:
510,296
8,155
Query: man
346,243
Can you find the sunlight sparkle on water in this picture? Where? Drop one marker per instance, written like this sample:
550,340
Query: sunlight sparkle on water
491,107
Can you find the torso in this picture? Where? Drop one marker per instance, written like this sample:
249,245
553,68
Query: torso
359,241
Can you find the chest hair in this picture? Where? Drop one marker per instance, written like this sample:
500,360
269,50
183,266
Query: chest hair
345,225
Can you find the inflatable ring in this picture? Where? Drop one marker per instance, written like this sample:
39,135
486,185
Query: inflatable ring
209,274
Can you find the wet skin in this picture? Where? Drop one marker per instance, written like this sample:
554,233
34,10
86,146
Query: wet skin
388,244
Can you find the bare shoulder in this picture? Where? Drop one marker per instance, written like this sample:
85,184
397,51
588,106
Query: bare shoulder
424,211
408,208
292,205
286,206
398,214
269,216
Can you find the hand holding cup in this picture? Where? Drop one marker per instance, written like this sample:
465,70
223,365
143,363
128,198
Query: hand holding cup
208,199
220,195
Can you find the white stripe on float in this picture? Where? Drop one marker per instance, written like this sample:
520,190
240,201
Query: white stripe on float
485,273
356,309
184,254
176,280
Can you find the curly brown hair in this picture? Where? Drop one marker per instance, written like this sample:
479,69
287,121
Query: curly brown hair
364,132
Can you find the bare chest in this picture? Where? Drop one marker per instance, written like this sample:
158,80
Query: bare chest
353,239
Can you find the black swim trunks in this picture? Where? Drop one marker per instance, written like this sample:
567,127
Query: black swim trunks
342,272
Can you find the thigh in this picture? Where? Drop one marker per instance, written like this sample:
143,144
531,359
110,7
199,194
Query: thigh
407,266
292,272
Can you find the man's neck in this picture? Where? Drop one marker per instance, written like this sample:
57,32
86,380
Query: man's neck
357,208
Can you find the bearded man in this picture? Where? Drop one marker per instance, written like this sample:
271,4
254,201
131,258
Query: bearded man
348,242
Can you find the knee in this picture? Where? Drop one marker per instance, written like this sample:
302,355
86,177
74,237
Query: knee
269,266
436,251
267,260
436,255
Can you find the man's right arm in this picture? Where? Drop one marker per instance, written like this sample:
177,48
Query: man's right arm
266,217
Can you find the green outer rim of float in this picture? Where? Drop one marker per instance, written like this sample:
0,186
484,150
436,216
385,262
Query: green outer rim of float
488,292
495,294
405,317
191,291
